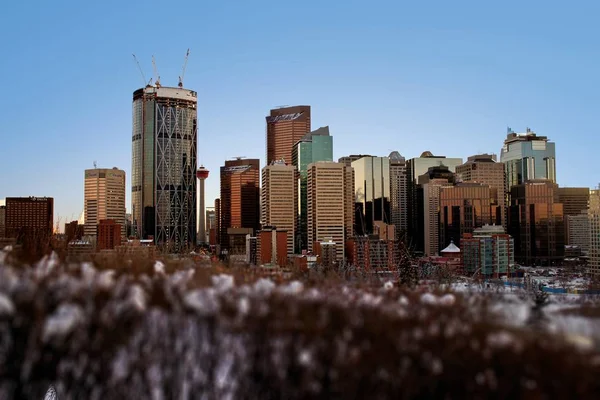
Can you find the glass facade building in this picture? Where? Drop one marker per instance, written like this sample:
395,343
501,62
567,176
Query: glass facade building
314,147
488,251
526,157
371,193
163,173
536,223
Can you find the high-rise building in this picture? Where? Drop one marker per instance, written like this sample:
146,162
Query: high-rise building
2,221
463,208
484,169
594,235
488,251
398,193
29,216
330,205
201,174
527,156
109,234
239,204
313,147
279,195
575,200
428,212
218,221
371,193
536,222
73,231
211,225
415,168
103,198
285,127
577,231
163,170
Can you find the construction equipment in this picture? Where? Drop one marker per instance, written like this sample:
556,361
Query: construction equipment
183,70
140,68
156,76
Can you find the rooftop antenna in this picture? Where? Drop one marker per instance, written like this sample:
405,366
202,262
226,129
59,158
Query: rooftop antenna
156,76
183,70
140,68
238,157
95,166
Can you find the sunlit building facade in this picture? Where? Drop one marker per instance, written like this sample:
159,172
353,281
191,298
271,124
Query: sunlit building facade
398,193
594,235
163,179
103,198
536,223
285,127
371,193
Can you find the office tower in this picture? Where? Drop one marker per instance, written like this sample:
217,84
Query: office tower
279,199
163,170
313,147
348,160
272,246
2,221
371,193
398,193
285,127
428,210
109,234
536,222
29,217
211,226
103,198
594,235
201,174
330,208
575,201
463,208
484,169
527,156
239,201
488,251
415,168
218,220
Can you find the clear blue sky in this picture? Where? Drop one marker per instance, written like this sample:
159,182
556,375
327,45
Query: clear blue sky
443,76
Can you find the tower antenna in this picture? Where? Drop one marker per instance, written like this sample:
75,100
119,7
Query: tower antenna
140,68
95,166
156,76
184,67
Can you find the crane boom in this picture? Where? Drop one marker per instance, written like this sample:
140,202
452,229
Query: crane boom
184,67
140,68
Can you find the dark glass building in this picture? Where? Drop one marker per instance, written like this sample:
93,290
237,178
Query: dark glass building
163,170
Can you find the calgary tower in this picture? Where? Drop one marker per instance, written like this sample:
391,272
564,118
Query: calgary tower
201,174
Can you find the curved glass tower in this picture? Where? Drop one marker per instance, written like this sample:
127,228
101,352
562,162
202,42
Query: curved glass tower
163,173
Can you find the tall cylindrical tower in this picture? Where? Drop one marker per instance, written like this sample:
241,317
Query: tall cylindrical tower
201,174
163,179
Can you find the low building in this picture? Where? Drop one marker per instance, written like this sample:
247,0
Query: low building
327,252
109,234
79,250
371,252
73,231
272,246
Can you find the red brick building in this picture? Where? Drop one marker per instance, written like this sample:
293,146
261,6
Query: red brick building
109,235
29,216
272,246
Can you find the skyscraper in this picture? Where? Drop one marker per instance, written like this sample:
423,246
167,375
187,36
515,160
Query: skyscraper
279,194
163,171
594,234
371,193
415,168
239,204
427,211
285,127
536,222
103,198
464,207
483,168
398,193
330,205
313,147
575,201
527,156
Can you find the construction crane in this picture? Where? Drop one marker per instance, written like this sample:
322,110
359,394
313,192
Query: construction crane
183,70
140,68
156,76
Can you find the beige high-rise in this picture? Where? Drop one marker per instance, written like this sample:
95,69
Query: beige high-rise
279,194
104,198
330,208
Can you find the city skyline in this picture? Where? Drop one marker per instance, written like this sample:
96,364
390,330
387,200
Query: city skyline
448,83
